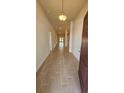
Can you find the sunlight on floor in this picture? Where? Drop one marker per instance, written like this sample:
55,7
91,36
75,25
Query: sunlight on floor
61,44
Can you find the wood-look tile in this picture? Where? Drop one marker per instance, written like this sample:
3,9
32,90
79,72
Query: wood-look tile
59,74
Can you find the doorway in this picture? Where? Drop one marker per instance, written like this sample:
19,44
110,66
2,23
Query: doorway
50,41
61,42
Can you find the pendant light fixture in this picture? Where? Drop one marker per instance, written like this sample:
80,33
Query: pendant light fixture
62,16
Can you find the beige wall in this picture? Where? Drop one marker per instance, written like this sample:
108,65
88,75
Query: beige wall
76,32
54,38
43,27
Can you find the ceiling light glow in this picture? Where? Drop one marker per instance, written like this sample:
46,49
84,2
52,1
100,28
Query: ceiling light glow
62,17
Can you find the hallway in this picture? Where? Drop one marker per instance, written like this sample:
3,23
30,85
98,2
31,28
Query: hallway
57,64
59,73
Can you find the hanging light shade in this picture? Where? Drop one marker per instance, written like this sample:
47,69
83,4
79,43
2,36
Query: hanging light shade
62,17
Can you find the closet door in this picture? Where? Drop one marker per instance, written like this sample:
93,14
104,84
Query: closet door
83,66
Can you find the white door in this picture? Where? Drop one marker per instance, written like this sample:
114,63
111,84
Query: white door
50,40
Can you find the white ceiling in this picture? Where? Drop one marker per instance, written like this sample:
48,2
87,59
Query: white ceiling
52,9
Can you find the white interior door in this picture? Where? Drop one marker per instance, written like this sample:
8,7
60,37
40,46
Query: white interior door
50,41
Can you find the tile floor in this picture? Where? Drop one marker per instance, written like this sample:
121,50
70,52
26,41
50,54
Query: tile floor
59,74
